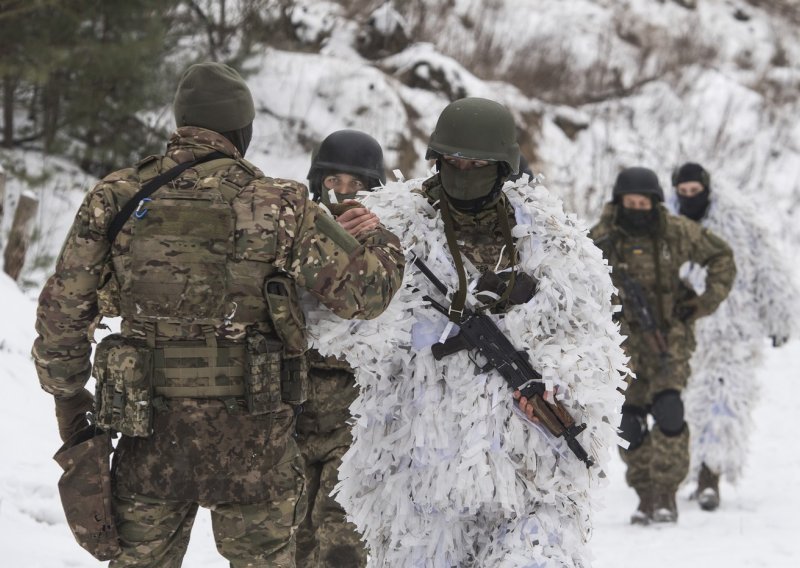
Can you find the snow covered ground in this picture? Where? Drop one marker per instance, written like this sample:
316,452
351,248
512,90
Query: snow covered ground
754,527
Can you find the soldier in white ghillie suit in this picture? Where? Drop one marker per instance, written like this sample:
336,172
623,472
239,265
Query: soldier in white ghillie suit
444,469
722,390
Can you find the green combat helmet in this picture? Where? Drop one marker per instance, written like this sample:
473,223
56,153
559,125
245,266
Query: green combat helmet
477,129
346,151
474,129
639,180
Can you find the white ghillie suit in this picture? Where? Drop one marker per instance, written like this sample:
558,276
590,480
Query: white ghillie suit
763,302
442,472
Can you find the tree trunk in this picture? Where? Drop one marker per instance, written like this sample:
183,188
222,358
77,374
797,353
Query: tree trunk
2,197
8,111
19,237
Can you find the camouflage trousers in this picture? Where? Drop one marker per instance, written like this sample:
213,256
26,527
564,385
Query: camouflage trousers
661,462
154,533
325,538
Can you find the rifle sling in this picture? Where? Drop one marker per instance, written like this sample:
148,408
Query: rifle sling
460,297
149,188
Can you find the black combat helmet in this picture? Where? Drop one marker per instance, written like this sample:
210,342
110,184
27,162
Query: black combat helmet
639,180
477,129
347,151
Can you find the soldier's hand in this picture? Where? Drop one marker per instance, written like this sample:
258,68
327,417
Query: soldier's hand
689,310
71,413
525,406
357,220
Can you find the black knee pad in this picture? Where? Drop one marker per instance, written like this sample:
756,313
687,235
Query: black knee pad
633,426
667,410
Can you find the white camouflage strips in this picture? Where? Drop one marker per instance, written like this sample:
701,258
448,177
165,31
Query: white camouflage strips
442,467
723,389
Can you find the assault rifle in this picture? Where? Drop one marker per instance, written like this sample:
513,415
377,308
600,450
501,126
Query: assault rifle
638,303
479,332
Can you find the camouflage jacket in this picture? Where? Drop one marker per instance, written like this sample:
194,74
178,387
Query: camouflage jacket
478,235
277,230
654,261
332,389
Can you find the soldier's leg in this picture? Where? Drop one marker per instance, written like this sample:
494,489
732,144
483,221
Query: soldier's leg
670,437
638,455
307,555
262,535
339,542
153,533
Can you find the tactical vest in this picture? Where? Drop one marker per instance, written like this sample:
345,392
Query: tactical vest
189,255
190,261
182,243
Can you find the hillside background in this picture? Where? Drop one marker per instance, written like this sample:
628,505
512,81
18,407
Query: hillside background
595,86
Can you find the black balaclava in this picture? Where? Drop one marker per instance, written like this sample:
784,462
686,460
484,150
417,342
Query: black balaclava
240,138
694,207
638,221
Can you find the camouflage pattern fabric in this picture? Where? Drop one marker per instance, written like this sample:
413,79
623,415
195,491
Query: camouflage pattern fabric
661,461
85,489
277,229
479,235
205,451
325,538
155,532
654,261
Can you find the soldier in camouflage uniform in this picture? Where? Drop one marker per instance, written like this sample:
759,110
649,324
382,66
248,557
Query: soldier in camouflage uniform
644,242
347,161
202,378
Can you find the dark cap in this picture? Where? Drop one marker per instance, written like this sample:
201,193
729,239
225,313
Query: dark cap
690,171
213,96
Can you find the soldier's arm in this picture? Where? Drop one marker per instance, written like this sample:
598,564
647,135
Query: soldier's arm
68,302
354,277
716,256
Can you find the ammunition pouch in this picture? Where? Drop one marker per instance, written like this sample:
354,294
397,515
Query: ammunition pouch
287,318
133,378
294,380
85,490
290,326
124,395
262,373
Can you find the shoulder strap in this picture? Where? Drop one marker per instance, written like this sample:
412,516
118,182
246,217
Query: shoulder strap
149,188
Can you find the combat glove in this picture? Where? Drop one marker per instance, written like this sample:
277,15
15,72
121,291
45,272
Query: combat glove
689,310
71,413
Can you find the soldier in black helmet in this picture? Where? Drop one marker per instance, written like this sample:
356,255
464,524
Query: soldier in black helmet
346,163
646,246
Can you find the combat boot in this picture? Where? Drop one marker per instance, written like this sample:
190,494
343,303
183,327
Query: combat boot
665,510
644,512
707,489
